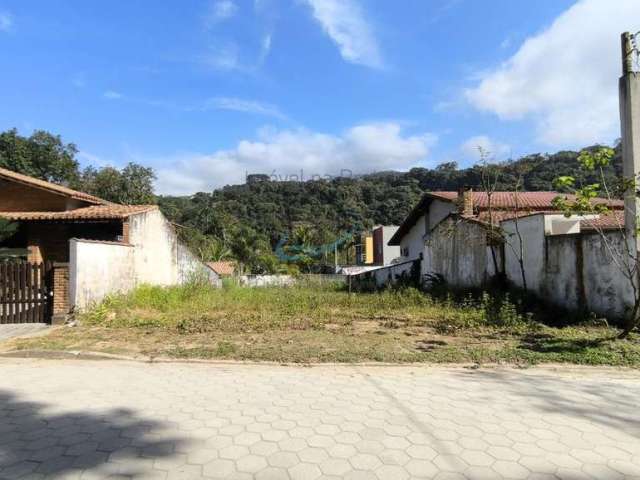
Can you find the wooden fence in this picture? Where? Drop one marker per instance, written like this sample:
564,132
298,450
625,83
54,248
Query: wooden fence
25,292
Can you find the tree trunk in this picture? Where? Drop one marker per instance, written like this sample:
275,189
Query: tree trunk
631,320
524,277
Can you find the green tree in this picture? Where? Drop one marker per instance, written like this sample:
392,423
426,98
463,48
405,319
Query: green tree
41,155
133,185
214,250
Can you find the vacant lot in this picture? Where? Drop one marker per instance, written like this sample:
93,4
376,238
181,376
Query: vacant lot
327,324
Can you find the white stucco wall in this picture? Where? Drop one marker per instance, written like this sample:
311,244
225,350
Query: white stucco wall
390,253
414,240
159,257
266,280
153,256
97,269
156,244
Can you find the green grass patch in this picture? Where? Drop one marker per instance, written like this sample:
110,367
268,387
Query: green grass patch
327,324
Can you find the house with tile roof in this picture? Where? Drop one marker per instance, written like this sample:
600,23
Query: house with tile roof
467,238
223,268
94,247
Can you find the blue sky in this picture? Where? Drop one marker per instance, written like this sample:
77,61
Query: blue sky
205,91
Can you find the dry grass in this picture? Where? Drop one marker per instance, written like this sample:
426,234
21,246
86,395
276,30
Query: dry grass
304,324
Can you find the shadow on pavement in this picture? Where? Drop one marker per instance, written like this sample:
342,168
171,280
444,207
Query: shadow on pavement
116,442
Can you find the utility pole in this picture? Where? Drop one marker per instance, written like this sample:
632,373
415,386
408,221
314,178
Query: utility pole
629,91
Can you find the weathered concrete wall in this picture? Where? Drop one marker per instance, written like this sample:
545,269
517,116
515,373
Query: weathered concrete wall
457,250
156,245
154,256
549,260
438,211
97,269
532,232
382,276
559,280
160,259
575,271
310,279
607,291
190,268
266,280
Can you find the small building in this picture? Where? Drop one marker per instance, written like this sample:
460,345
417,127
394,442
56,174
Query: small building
93,247
364,248
466,239
383,253
372,248
223,268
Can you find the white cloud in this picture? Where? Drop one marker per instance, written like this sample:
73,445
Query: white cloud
345,23
112,95
565,77
215,103
223,56
362,148
219,11
245,106
265,48
472,147
6,22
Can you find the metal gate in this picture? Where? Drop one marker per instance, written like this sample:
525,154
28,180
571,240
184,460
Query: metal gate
25,292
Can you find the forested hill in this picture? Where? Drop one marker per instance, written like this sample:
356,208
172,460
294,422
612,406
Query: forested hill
245,222
324,208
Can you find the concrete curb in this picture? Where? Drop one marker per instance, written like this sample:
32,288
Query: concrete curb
96,356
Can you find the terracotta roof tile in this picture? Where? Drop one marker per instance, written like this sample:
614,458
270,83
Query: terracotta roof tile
95,212
610,221
503,205
36,182
222,268
524,200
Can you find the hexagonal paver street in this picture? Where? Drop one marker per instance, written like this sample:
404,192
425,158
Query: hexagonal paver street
115,419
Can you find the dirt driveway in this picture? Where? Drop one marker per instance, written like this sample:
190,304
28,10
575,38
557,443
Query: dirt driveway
99,419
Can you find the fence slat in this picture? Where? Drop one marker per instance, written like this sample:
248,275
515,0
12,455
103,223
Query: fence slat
24,292
4,316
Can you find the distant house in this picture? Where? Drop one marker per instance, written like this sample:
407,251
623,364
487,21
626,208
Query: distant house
373,249
565,262
383,253
223,268
94,247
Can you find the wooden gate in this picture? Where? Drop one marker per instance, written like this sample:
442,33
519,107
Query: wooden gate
25,292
